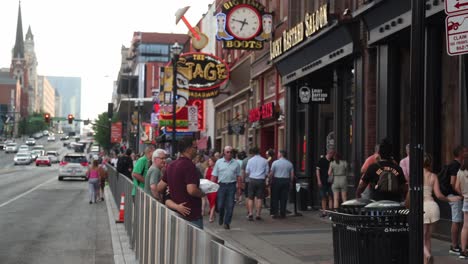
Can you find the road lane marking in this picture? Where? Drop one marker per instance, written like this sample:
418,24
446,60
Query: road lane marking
23,194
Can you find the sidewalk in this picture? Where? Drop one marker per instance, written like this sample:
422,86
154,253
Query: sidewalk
302,239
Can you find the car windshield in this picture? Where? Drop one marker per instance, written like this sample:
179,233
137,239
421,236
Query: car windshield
11,144
31,139
51,153
22,155
75,159
43,158
38,147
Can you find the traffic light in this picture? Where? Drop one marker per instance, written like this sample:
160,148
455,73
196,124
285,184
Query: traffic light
47,118
70,119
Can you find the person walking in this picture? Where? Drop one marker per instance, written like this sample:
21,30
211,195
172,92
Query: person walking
281,177
154,173
93,181
337,173
211,196
322,180
226,171
245,179
431,209
184,182
257,170
103,175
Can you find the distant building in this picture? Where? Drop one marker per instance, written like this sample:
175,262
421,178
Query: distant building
31,67
46,96
10,94
69,89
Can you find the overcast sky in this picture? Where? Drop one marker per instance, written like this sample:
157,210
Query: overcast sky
83,38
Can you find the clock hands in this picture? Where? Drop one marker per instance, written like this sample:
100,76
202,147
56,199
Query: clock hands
243,22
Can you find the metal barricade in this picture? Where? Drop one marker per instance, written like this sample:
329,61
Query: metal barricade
159,235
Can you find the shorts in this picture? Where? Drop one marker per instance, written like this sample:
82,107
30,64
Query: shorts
246,189
340,184
465,206
456,207
431,212
256,188
325,191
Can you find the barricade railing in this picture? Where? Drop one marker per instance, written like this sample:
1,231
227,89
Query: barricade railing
159,235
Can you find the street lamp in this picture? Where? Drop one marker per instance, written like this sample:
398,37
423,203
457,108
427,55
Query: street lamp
176,49
138,106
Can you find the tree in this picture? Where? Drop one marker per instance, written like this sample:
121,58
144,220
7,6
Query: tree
101,128
32,124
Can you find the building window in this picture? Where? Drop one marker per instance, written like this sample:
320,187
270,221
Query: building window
269,85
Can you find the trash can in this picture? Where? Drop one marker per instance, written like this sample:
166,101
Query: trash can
374,233
302,195
355,206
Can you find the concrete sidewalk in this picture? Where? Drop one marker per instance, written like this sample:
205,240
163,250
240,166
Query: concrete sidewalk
301,239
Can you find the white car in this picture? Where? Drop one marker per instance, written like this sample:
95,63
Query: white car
51,138
11,148
53,156
73,165
30,142
22,158
23,148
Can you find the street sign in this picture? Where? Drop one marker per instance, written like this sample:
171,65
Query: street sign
192,118
455,6
456,27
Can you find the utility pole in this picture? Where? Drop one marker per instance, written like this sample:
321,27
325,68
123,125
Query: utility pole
416,244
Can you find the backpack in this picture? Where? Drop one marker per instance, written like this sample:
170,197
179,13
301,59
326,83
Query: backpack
444,180
388,182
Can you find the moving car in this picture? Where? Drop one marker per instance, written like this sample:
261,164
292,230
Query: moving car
51,138
43,160
73,165
30,142
53,156
23,148
37,135
22,158
36,153
11,148
65,137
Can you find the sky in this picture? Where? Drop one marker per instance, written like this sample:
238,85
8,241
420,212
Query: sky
83,38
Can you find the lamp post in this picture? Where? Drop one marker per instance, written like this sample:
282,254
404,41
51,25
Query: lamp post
138,106
176,49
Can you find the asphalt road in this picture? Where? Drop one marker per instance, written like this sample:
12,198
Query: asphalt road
43,220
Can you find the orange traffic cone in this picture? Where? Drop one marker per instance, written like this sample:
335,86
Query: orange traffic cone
122,207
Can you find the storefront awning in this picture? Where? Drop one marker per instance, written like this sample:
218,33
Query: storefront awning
332,44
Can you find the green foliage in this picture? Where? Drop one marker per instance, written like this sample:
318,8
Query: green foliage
101,128
32,124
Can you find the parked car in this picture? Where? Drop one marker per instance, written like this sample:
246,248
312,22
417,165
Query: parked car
11,148
64,137
22,158
51,138
45,132
73,165
66,143
53,156
30,142
37,135
43,160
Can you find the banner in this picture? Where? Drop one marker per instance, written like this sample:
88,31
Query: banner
116,132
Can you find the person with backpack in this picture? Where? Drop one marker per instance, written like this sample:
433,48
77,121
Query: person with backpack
447,179
125,164
385,177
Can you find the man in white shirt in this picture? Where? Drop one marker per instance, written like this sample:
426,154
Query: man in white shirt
257,170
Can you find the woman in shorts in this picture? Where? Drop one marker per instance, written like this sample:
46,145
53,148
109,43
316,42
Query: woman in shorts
338,178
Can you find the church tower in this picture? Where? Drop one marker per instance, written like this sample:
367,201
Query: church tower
31,67
18,66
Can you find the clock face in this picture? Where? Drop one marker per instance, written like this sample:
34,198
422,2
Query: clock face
244,22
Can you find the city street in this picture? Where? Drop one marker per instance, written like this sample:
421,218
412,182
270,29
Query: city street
43,220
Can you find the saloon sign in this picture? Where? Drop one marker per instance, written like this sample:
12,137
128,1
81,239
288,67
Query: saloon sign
243,24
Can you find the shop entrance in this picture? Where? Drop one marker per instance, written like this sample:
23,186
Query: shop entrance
267,139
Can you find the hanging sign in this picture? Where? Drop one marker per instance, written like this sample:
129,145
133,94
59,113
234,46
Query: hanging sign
243,24
311,95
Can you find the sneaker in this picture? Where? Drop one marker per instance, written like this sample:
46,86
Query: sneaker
250,217
463,255
454,251
227,227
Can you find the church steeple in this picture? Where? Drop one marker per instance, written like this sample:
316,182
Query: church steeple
18,50
29,35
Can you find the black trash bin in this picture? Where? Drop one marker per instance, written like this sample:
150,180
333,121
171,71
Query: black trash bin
302,195
375,233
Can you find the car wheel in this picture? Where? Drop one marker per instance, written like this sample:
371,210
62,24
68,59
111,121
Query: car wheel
49,165
60,178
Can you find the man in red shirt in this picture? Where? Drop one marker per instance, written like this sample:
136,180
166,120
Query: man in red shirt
183,181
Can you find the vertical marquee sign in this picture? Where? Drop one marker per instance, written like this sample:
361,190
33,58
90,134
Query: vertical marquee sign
243,24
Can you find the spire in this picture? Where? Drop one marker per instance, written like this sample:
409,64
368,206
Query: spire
29,35
18,50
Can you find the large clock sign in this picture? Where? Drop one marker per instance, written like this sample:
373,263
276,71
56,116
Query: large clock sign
243,24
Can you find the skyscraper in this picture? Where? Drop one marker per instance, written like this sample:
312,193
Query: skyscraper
69,89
